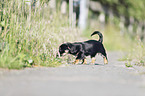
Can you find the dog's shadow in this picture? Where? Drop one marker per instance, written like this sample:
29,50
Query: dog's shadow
96,64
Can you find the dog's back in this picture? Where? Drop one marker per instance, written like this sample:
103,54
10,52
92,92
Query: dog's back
92,47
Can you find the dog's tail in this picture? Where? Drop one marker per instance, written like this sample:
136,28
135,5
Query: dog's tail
100,35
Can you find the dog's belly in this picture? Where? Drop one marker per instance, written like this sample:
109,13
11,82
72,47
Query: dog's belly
87,54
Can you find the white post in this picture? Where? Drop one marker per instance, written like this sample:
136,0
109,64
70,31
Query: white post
102,21
139,30
63,7
130,27
121,25
52,4
70,12
111,16
84,4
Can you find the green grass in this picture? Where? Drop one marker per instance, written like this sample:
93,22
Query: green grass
113,40
32,38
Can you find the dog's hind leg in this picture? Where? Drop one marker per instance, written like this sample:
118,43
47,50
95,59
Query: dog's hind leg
105,57
105,60
84,61
93,60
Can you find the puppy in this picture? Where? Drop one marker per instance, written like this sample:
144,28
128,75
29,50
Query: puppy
83,49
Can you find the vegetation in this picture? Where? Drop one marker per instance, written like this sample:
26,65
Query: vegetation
136,56
31,36
128,8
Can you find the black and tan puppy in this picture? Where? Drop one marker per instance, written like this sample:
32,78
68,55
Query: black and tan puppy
86,48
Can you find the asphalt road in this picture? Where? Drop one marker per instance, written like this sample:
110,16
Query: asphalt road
113,79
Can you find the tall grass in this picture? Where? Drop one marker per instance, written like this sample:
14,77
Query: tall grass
32,36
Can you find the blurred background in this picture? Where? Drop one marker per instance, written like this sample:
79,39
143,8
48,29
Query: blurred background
32,30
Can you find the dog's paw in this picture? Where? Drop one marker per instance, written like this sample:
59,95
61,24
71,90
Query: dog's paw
105,61
76,61
93,60
84,61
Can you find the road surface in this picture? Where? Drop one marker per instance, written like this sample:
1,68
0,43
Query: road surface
113,79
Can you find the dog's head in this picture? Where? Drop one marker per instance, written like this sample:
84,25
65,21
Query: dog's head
64,49
70,48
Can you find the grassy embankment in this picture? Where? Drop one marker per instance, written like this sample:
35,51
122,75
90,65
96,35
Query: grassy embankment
32,37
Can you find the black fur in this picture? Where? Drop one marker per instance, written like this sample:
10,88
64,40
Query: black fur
86,48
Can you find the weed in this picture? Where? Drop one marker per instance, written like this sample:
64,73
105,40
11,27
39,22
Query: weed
137,53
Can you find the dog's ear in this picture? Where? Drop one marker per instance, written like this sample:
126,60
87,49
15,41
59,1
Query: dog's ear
69,45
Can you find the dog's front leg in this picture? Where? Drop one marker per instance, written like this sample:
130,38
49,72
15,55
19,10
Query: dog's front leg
80,56
93,60
84,61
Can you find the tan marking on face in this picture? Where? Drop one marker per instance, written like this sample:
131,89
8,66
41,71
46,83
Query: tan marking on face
66,51
63,54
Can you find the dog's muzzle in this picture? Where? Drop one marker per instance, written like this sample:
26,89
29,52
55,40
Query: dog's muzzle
59,54
66,52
